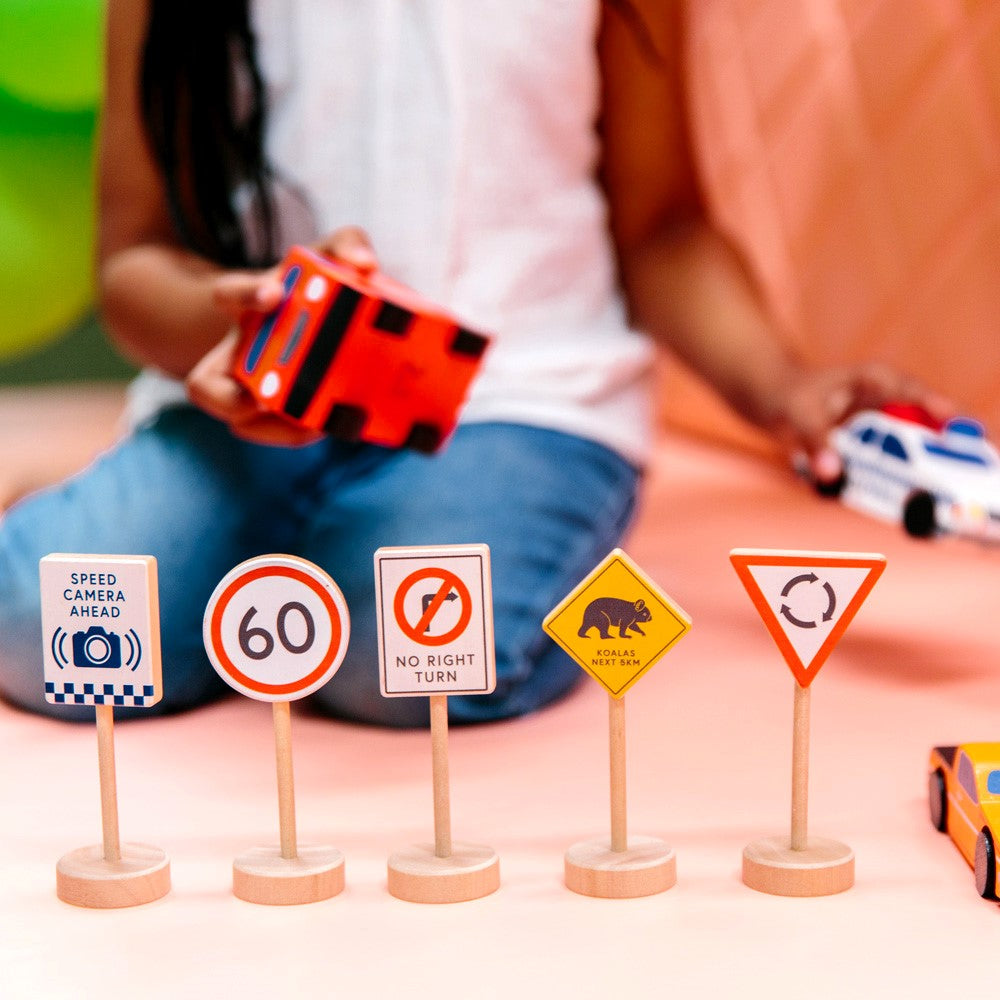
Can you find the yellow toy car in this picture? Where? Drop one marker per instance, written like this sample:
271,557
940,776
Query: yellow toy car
964,793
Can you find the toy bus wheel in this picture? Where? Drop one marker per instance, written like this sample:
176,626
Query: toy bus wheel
346,422
986,866
918,515
425,438
938,798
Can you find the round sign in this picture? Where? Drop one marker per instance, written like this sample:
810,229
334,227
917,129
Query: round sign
276,628
449,588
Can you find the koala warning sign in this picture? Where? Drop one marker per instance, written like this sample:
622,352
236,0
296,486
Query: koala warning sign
435,620
100,630
616,623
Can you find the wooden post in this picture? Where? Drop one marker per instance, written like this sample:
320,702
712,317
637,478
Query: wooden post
111,874
283,875
442,799
801,866
109,789
454,871
616,729
800,769
286,783
642,868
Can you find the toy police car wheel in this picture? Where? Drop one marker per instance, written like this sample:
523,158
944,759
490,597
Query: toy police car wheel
831,488
918,515
938,798
986,866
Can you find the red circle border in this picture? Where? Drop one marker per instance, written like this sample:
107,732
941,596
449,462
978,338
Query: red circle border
447,576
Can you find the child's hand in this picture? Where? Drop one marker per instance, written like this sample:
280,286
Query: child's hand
817,401
210,384
239,292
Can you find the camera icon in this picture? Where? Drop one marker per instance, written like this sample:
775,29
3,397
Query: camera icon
97,648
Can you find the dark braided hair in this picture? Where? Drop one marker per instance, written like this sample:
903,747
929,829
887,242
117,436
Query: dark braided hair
203,109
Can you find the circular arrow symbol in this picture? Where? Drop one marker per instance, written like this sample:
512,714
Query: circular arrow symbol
808,578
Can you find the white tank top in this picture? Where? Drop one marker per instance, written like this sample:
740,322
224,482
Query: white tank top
460,136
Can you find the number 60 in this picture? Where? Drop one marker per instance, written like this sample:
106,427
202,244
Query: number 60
246,633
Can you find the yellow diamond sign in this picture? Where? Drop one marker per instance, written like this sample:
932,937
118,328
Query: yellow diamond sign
616,623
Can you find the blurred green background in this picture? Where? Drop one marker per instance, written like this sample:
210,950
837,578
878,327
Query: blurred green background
50,90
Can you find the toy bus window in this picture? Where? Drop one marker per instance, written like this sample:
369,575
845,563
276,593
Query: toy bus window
993,783
894,447
267,327
293,341
867,435
967,777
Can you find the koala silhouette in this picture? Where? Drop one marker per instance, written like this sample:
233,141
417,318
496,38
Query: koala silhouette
606,613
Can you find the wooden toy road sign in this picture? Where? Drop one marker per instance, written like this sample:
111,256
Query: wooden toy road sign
435,620
101,630
807,599
276,628
435,631
616,623
101,647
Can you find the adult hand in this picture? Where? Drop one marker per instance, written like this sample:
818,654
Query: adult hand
817,401
211,385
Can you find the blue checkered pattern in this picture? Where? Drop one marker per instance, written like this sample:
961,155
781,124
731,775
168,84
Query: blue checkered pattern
98,694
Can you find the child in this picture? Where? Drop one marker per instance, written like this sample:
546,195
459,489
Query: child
453,146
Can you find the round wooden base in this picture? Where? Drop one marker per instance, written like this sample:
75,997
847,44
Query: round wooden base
262,875
647,866
84,878
823,868
417,875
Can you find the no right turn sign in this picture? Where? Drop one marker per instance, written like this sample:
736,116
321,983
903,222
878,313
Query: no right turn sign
435,620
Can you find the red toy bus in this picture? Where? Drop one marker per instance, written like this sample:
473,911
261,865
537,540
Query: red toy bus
359,357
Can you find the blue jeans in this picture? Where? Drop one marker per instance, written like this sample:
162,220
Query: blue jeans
184,490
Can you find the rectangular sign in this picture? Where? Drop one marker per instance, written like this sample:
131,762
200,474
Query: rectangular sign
100,630
435,620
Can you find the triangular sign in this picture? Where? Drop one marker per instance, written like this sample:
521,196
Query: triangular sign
807,599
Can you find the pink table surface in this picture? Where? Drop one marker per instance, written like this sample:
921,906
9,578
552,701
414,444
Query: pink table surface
709,735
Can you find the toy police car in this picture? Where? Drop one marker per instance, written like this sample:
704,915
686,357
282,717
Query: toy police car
902,464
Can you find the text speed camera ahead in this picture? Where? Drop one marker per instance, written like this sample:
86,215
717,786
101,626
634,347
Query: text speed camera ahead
435,620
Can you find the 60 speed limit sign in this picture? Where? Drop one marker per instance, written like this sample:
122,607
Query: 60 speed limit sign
276,628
